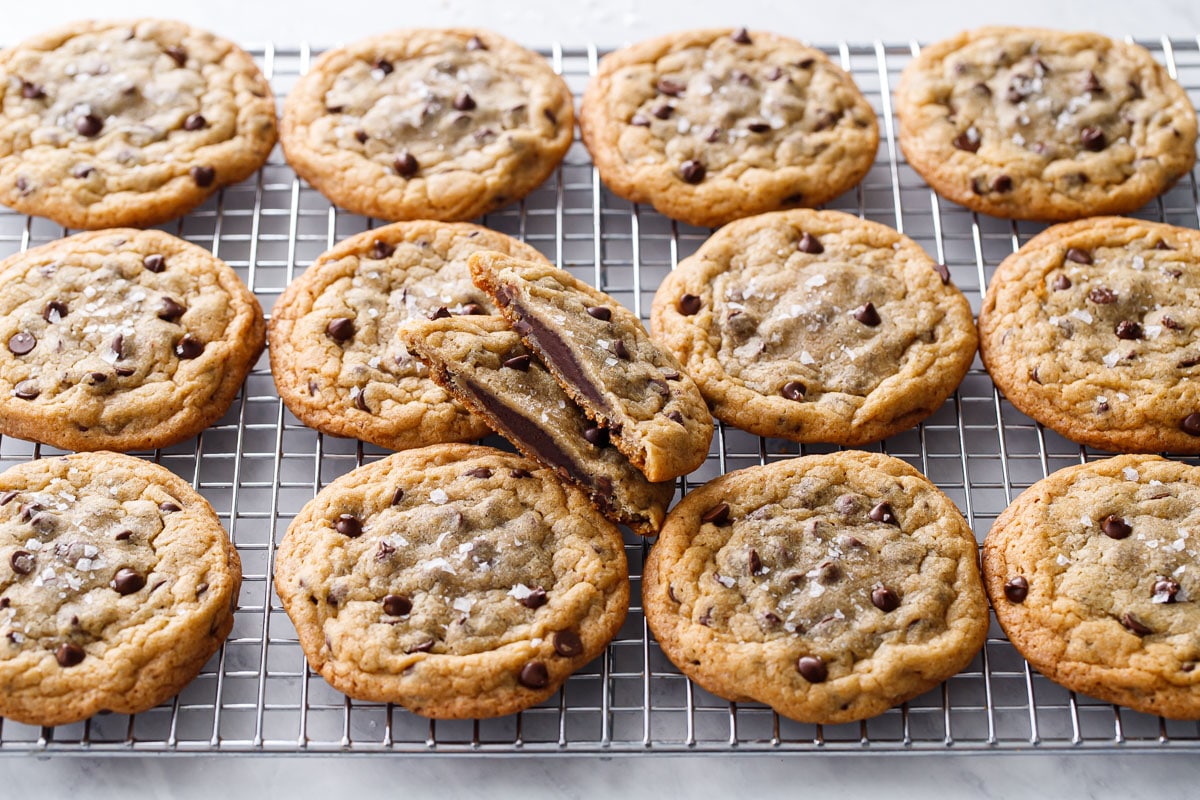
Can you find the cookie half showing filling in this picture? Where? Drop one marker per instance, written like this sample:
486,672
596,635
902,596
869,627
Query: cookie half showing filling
457,581
829,587
600,353
482,362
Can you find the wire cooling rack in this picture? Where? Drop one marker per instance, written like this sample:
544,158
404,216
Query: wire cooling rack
259,465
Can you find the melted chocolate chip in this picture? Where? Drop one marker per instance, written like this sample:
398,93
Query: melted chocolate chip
1166,589
600,312
195,122
867,315
1102,296
31,91
1002,184
154,262
812,668
794,390
1061,283
669,87
340,329
171,311
688,305
1115,527
128,581
69,655
348,525
1079,256
675,416
203,176
618,349
718,515
22,562
968,140
521,473
596,436
464,102
1191,424
810,244
361,136
663,110
519,362
21,343
124,536
189,347
692,171
534,675
54,311
396,605
1016,589
381,249
741,36
883,512
1171,324
567,644
758,127
169,508
535,599
1135,625
1093,139
89,125
884,598
406,165
1128,329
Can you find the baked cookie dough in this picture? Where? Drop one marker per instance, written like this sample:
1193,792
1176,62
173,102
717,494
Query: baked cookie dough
1089,329
121,339
117,582
816,326
829,587
443,124
134,122
457,581
1094,576
1030,123
712,125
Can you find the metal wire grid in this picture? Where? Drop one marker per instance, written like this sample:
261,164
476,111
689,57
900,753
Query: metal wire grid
259,465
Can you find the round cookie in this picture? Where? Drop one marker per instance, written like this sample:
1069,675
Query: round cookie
335,357
712,125
458,581
1029,123
1089,329
443,124
829,587
121,339
816,326
1094,576
136,122
117,582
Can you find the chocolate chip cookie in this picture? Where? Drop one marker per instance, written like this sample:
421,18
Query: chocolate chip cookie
121,339
1089,329
816,326
128,122
1040,124
455,580
829,587
117,582
1094,574
604,359
440,124
481,361
713,125
334,353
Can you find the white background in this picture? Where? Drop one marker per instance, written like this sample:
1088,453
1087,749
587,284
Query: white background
612,22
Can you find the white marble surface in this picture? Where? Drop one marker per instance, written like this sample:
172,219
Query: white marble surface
610,22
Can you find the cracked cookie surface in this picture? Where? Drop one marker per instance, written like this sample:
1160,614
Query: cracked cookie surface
1030,123
105,124
334,353
816,326
117,582
1094,575
121,339
458,581
428,124
1089,329
713,125
829,587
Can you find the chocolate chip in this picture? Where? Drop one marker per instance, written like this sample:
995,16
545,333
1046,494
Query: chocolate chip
154,262
600,312
713,135
1093,139
82,171
706,618
1166,589
567,644
398,495
977,185
1002,184
177,54
1135,625
1091,83
688,305
472,309
1168,322
535,599
640,121
194,122
31,91
758,127
8,497
1061,283
812,668
340,329
692,171
423,647
123,536
774,73
1128,329
518,362
478,472
1162,245
89,125
169,508
670,87
383,65
754,562
405,165
718,515
380,249
1016,589
54,308
464,102
1191,424
396,605
361,136
534,675
1102,296
883,512
189,347
124,372
171,310
867,315
22,562
675,416
618,349
1079,256
794,390
943,272
21,343
741,36
475,43
441,312
596,436
128,581
884,598
968,140
521,473
69,655
1115,527
348,525
203,176
663,110
360,400
810,244
1020,87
